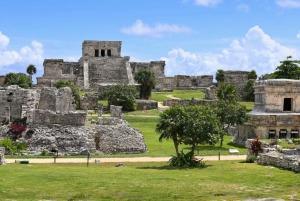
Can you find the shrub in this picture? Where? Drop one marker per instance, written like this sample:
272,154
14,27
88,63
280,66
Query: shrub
186,160
11,146
255,146
251,159
44,152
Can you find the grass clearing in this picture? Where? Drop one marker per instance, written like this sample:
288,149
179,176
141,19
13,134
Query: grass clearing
220,180
188,94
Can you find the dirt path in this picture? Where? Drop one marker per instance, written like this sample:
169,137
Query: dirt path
122,160
172,97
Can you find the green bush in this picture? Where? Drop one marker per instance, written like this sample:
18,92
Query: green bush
11,146
186,160
44,152
251,159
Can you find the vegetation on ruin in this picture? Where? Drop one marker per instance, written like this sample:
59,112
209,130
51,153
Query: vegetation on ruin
75,90
249,91
122,95
11,146
219,180
146,78
220,75
20,79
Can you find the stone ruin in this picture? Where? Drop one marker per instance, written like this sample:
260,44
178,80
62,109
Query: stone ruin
276,156
101,62
54,124
210,93
276,113
2,159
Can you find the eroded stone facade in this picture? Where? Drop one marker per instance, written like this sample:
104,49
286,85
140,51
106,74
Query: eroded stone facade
101,62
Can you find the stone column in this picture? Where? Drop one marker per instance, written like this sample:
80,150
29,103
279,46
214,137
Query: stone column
100,109
2,159
7,109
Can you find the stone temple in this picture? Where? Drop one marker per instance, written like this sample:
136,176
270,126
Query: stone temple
101,62
276,113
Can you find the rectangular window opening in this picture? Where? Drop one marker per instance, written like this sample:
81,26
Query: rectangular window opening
282,134
103,53
109,53
96,53
287,104
294,133
272,134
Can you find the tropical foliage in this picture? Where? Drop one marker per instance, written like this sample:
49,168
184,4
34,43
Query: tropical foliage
122,95
20,79
146,78
31,70
289,69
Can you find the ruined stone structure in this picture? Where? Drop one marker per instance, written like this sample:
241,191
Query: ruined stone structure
276,112
2,159
101,62
276,156
146,104
184,82
89,101
2,77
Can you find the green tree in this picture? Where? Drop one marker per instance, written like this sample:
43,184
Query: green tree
230,113
201,126
170,125
75,90
31,70
20,79
249,91
147,80
220,76
252,75
289,69
227,92
122,95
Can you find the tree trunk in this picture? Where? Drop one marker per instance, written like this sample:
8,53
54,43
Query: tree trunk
176,145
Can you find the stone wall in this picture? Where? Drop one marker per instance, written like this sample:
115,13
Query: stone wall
2,159
168,83
158,67
183,102
90,101
47,117
12,100
89,48
146,104
182,81
2,77
202,81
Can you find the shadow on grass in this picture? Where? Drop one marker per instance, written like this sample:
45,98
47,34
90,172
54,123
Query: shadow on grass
167,167
236,145
207,147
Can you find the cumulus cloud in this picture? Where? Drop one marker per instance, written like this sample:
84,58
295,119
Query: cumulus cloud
159,30
207,2
25,56
288,3
243,8
4,40
256,51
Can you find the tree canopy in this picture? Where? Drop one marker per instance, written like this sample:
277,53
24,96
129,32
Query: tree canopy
252,75
289,69
31,70
227,92
122,95
147,80
20,79
220,75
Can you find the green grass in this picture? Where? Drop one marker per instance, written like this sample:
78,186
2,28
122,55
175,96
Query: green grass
160,96
249,105
87,92
188,94
154,112
220,180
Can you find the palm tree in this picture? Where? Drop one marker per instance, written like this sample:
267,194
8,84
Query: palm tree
31,70
220,76
146,78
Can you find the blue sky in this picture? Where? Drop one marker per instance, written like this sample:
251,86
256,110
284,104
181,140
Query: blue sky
194,37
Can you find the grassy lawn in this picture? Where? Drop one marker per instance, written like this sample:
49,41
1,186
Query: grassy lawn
249,105
188,94
160,96
220,180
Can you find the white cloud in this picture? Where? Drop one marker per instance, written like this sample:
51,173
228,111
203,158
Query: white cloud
298,35
256,51
243,8
4,40
17,60
159,30
207,2
288,3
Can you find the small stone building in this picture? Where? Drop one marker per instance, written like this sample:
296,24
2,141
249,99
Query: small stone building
276,112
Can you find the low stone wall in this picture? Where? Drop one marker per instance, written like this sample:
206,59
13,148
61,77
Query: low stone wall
290,162
183,102
2,159
47,117
146,104
90,101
